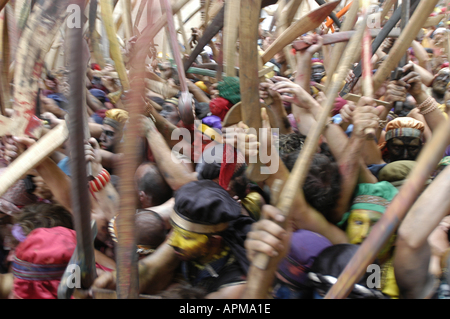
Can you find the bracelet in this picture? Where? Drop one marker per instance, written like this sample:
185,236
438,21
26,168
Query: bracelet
427,106
100,181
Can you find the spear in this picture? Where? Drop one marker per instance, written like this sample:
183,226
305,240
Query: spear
426,164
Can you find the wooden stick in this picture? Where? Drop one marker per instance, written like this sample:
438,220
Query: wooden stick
367,85
150,31
77,121
187,47
298,174
387,6
127,269
330,22
336,52
230,35
126,16
106,11
5,56
404,41
185,106
33,156
395,212
305,24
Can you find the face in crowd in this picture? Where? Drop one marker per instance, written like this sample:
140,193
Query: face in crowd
109,138
404,148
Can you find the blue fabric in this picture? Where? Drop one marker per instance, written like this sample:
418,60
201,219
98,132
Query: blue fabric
375,169
64,165
97,118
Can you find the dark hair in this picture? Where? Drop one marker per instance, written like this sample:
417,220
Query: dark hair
332,261
43,215
322,184
150,228
153,184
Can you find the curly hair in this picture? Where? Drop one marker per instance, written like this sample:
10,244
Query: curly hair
322,184
43,215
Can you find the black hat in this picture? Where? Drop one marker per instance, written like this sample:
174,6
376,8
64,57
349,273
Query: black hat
204,207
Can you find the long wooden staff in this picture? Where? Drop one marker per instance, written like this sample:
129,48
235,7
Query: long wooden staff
341,13
387,6
332,15
106,12
257,276
5,101
384,32
230,36
213,28
127,269
426,163
81,205
337,50
367,85
305,24
409,33
185,106
150,31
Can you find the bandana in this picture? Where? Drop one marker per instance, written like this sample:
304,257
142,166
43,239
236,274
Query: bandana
220,107
40,261
374,197
404,126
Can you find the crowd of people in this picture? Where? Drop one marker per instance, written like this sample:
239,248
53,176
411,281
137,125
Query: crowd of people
200,221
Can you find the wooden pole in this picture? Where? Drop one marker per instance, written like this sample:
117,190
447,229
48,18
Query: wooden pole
381,232
305,24
81,206
230,36
106,11
409,33
256,277
336,52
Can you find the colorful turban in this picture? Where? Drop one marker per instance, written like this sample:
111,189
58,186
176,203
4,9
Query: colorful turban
230,89
220,107
40,262
404,126
202,86
116,118
173,100
374,197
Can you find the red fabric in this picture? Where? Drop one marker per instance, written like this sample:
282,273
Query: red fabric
220,107
96,67
227,168
338,105
44,246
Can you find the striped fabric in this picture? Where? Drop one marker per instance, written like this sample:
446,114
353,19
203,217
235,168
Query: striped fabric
404,131
29,271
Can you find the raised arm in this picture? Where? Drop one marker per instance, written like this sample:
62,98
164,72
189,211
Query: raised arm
412,254
175,173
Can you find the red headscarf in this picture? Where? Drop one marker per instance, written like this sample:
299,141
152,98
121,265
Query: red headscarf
40,261
220,107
